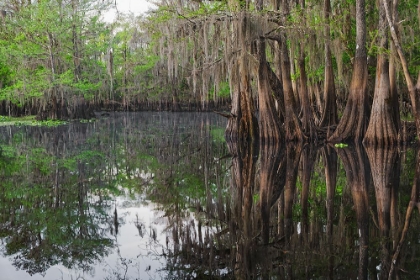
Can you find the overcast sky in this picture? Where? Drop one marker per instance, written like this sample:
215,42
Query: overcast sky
125,6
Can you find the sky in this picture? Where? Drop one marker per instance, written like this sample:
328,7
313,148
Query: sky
135,6
125,6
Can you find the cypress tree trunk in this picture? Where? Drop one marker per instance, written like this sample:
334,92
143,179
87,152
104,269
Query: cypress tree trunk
243,123
277,89
292,125
293,129
308,125
382,130
413,89
329,110
352,125
269,123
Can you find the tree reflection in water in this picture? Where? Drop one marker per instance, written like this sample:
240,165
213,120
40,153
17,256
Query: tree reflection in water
225,210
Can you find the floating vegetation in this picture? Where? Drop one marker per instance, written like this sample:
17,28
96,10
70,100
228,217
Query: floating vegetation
29,120
341,145
87,121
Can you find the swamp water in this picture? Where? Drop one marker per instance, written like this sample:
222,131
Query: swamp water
159,196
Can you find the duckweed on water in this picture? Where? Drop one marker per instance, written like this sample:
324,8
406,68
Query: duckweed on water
28,120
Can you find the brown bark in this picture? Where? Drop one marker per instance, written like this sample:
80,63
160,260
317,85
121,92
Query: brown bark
269,123
308,125
352,125
277,89
243,124
293,129
292,125
329,110
413,89
382,130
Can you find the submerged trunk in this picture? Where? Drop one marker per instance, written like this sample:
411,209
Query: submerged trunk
307,161
293,152
414,202
352,125
357,173
242,181
385,172
269,172
331,170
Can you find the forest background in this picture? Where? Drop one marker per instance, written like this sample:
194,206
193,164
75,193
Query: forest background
294,70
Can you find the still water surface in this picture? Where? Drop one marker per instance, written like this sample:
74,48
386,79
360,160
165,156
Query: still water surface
163,196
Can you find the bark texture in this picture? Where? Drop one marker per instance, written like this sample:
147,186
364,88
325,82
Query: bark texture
383,127
353,123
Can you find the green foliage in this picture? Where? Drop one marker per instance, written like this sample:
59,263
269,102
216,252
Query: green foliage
5,75
37,51
341,145
29,121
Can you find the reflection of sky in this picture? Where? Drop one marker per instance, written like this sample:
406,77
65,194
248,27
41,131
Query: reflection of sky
141,254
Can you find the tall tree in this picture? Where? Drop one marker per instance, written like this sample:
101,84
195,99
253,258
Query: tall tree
383,127
292,124
352,125
329,111
269,122
413,89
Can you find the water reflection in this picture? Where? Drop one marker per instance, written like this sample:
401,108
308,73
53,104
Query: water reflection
161,195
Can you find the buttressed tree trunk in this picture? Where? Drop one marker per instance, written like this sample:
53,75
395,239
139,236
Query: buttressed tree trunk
382,130
269,123
243,124
413,89
329,111
292,125
352,125
308,124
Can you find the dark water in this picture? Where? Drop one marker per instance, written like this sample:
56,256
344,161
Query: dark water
162,196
